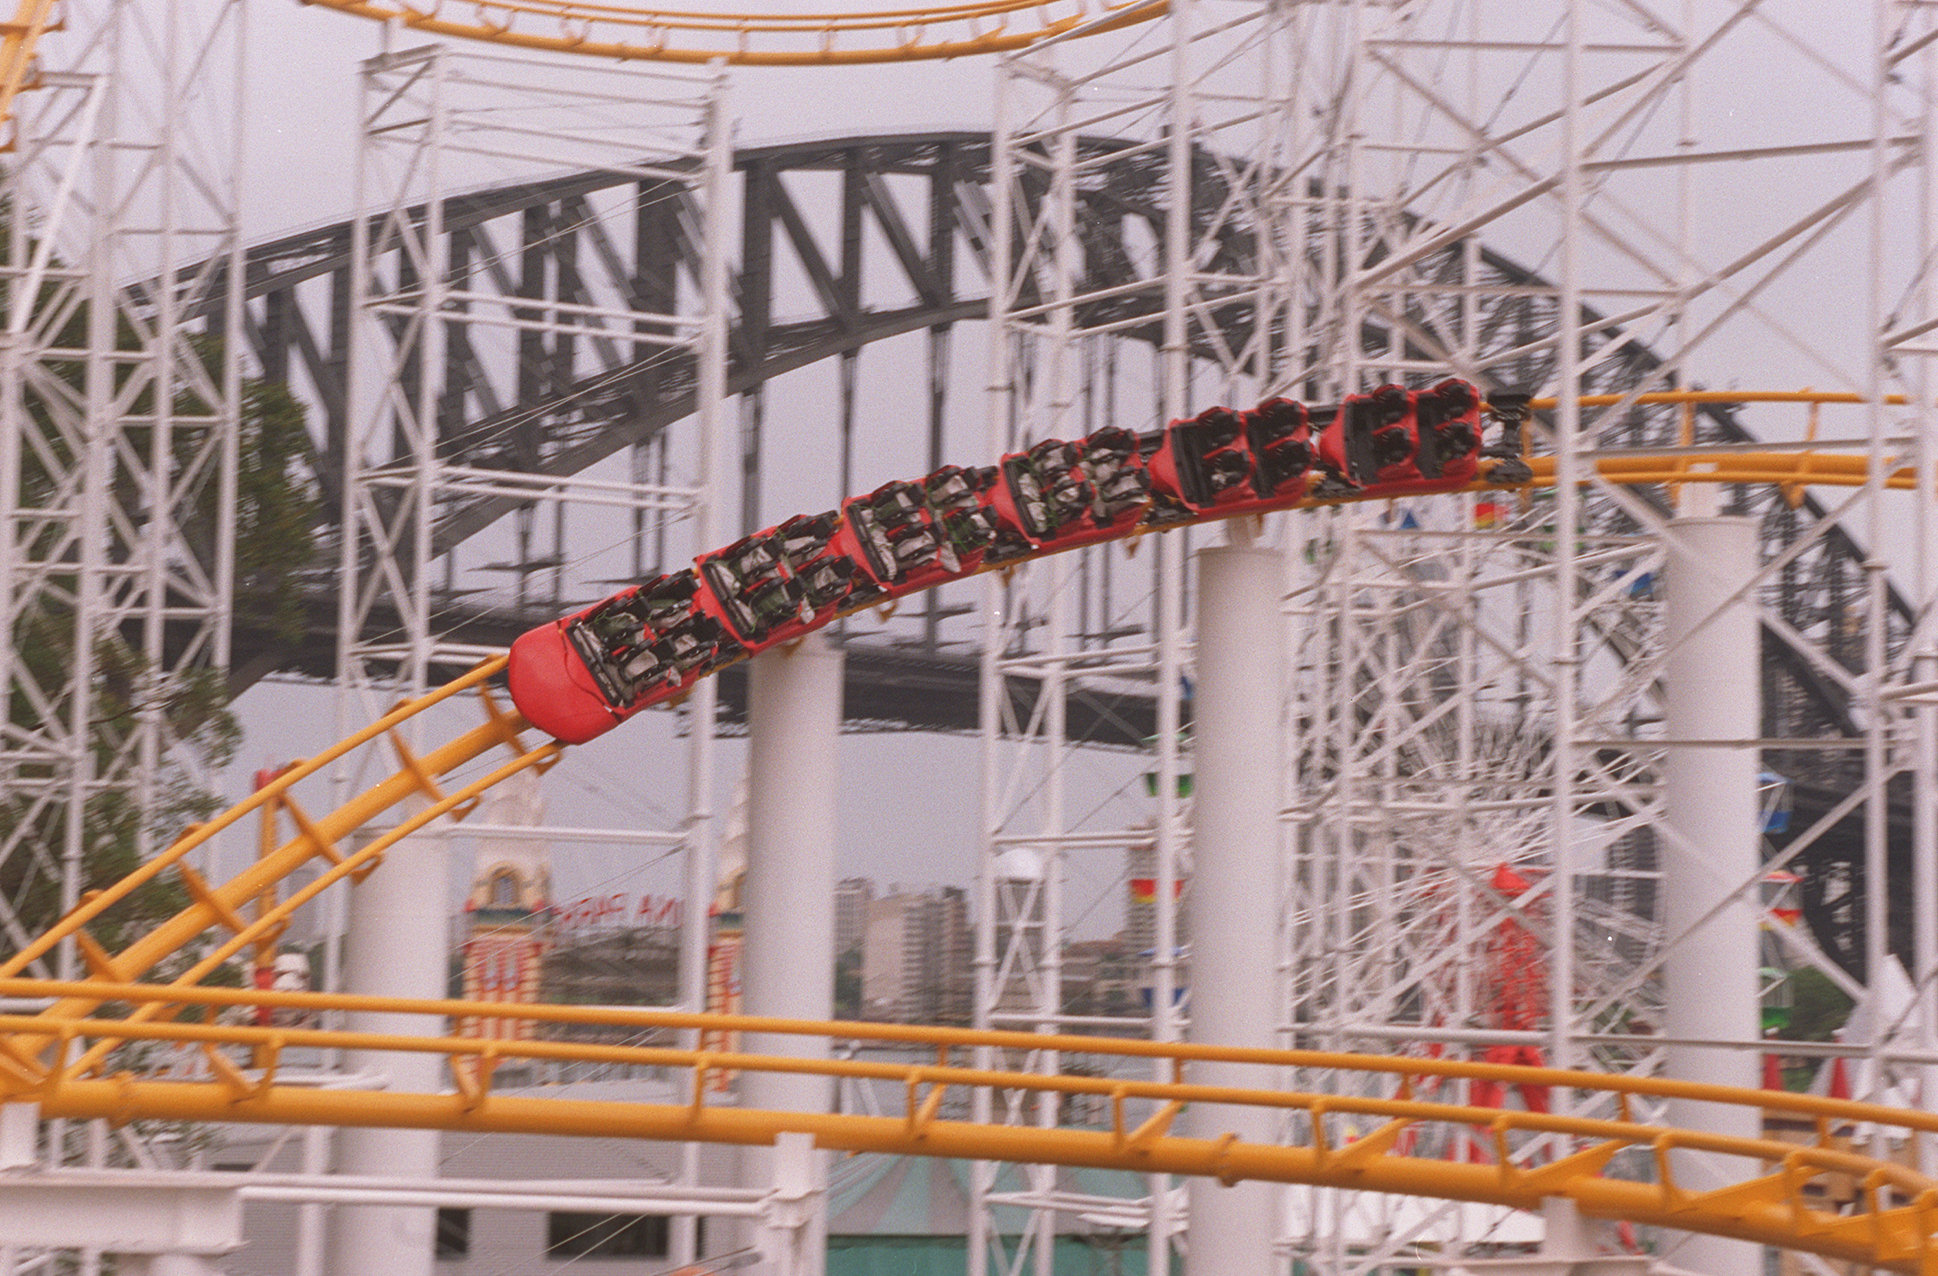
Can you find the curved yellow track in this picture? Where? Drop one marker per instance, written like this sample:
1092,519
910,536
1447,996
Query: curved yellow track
67,1057
638,33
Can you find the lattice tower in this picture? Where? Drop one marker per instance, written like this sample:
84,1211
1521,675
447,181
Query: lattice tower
1320,194
118,469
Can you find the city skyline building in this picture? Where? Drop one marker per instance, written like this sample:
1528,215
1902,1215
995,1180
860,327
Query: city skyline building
526,391
914,956
851,898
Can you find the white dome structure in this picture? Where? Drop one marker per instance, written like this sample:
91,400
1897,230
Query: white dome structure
1019,864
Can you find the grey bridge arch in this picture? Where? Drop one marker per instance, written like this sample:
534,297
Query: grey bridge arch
887,235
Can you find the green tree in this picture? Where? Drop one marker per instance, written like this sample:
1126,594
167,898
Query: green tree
847,985
1818,1009
276,512
34,825
275,515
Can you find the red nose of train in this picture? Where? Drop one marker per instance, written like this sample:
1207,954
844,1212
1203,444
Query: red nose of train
553,689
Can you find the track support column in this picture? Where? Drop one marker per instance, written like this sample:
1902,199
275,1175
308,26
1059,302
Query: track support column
787,900
1711,854
1234,883
396,944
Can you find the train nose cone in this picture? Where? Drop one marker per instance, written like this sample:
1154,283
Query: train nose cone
554,690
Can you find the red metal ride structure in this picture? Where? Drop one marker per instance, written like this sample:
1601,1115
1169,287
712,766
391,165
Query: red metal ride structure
1518,973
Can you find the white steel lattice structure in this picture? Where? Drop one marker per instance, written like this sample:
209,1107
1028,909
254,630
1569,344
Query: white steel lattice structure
1303,198
435,121
119,408
1214,328
121,393
1478,840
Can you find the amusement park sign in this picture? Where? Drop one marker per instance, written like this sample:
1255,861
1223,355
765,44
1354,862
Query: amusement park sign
620,909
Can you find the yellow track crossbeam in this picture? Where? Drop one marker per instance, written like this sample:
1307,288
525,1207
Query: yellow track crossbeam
19,40
66,1058
1891,1228
219,906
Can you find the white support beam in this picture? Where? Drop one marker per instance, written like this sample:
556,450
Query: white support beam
116,1213
787,970
19,1135
1233,901
1711,849
397,944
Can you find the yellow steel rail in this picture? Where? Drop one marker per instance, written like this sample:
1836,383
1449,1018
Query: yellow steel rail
317,838
1893,1225
59,1057
220,907
19,38
1718,398
1778,469
639,33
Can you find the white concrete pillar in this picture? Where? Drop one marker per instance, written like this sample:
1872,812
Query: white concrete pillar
1712,845
396,944
787,901
1234,891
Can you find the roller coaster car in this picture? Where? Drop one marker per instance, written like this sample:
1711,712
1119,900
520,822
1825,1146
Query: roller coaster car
1113,461
1279,432
1405,441
1205,463
892,533
998,517
1044,491
579,677
1448,417
832,580
957,511
757,590
1371,438
1059,495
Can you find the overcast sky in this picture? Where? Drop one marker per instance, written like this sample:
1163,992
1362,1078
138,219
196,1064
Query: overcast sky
908,807
909,803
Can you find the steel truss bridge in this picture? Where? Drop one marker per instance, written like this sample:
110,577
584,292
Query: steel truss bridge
70,1060
817,213
485,365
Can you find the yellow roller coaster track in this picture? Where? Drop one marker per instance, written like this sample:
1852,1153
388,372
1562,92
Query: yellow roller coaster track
1357,1142
637,33
19,38
73,1061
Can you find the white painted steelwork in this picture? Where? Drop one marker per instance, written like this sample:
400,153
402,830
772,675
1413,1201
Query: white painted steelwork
118,419
1191,98
1711,837
1235,891
431,117
119,402
787,900
1469,696
1475,783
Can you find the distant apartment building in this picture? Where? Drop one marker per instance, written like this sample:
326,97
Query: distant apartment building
1103,977
851,899
956,956
916,951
